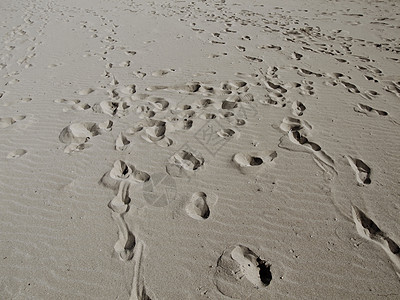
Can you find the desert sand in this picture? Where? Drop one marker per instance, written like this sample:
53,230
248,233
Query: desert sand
200,150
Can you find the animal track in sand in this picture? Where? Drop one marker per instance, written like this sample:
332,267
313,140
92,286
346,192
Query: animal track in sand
253,162
8,121
77,134
367,229
369,111
184,163
16,153
236,264
197,207
363,172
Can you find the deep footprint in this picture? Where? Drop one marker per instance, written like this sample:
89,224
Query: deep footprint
197,208
253,162
367,229
363,172
184,163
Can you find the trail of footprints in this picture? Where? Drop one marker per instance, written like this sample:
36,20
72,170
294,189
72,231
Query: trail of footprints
160,117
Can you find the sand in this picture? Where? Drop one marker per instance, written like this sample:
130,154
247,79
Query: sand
199,150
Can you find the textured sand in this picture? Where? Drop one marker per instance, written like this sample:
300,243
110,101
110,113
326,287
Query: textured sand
199,150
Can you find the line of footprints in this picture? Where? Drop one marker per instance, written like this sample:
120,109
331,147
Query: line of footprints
225,101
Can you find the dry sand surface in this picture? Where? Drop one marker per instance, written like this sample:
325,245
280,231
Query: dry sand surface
199,150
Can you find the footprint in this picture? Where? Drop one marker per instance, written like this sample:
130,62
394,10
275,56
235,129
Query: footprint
274,47
77,134
65,101
367,229
352,88
154,132
297,56
226,133
112,108
293,124
321,158
253,162
274,99
369,111
298,108
124,64
16,153
184,163
139,74
125,244
122,171
228,105
253,59
121,142
80,107
239,271
120,203
160,104
197,208
363,172
256,270
8,121
85,92
130,52
393,87
162,72
275,87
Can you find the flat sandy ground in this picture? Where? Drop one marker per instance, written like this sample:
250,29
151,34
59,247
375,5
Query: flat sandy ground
199,150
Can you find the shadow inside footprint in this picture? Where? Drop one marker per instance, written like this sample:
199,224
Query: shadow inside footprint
239,271
368,229
363,172
197,208
256,270
252,162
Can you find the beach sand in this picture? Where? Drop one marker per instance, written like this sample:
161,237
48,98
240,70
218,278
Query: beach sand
199,150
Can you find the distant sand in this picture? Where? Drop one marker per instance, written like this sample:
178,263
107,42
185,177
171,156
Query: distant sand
200,149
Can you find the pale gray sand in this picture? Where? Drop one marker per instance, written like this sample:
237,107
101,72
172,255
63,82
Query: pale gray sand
199,150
